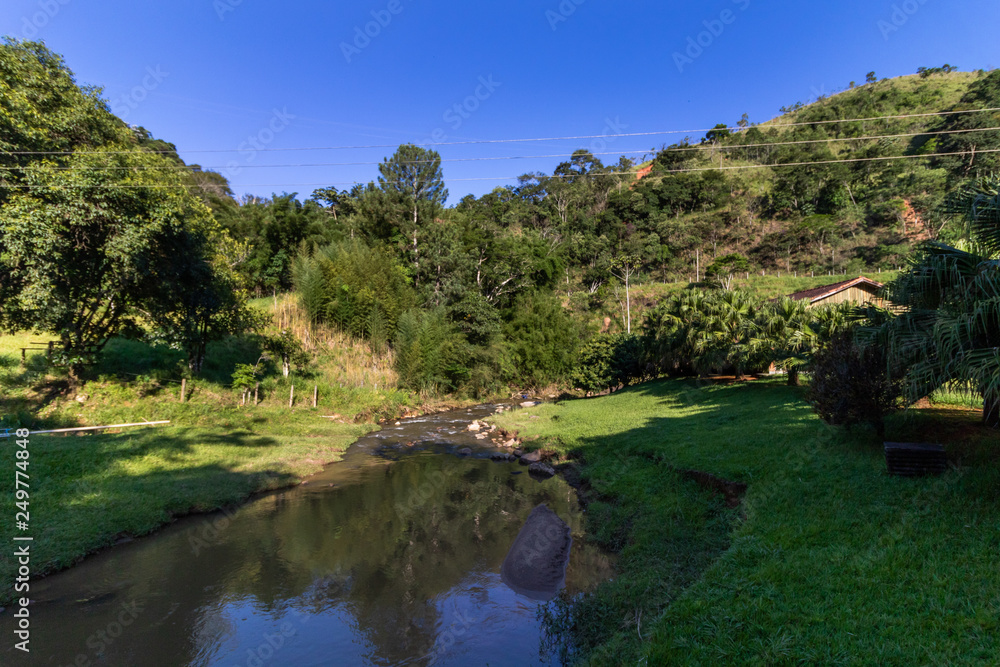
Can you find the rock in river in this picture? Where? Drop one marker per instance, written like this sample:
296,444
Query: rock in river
536,564
541,470
531,457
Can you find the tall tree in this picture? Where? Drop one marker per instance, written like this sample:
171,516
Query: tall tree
413,177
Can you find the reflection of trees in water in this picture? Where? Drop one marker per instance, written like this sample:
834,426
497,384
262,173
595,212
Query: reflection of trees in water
386,547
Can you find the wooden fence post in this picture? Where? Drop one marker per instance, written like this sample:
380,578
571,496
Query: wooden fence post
291,396
183,388
24,358
315,394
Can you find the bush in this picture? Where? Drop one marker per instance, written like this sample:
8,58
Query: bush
361,290
542,339
431,354
852,384
609,361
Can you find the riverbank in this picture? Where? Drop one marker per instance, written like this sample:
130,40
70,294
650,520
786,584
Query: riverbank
826,560
89,492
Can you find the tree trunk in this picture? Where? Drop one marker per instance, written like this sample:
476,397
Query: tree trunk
793,376
991,411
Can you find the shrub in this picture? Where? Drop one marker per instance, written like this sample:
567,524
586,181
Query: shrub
430,354
609,361
361,290
852,384
542,339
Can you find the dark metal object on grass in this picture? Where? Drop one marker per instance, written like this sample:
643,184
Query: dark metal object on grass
915,459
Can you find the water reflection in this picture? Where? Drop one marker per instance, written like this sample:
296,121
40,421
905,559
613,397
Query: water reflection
376,562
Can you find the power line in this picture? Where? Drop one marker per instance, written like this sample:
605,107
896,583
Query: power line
524,157
735,128
509,178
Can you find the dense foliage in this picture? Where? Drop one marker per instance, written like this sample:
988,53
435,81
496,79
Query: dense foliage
949,329
503,289
854,384
96,232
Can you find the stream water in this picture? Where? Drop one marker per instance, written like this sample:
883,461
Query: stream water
390,557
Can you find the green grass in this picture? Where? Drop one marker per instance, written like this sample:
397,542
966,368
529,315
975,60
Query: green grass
827,561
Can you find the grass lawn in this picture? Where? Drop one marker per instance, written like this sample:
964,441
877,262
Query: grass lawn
827,560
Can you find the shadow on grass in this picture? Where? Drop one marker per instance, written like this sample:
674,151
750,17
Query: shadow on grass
804,479
94,490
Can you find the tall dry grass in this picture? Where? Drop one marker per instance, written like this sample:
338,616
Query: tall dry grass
343,360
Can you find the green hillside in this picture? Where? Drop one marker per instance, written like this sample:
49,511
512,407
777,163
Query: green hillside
729,193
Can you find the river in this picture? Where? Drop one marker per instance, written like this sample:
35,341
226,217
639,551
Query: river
389,557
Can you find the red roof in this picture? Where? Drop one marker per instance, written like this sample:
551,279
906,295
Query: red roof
819,293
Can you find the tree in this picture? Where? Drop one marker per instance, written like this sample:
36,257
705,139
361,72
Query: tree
623,268
197,299
413,177
608,361
949,327
331,197
724,269
288,349
730,332
81,247
787,325
854,384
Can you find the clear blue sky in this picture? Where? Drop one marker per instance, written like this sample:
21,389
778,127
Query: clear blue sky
210,74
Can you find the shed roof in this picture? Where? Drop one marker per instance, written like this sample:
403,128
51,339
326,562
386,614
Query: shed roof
818,293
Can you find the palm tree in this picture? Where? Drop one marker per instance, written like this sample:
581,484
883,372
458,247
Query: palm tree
788,325
730,332
949,330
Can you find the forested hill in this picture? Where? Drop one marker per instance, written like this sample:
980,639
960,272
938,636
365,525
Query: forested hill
892,160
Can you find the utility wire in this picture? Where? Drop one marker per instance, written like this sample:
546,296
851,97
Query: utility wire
735,128
510,178
521,157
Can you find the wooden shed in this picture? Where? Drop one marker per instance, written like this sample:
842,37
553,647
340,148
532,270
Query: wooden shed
861,290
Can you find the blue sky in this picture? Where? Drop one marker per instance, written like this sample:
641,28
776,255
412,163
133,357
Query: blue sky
243,75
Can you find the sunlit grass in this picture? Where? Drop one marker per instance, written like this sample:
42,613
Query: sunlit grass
827,561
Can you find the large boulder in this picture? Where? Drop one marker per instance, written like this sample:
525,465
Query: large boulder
536,564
